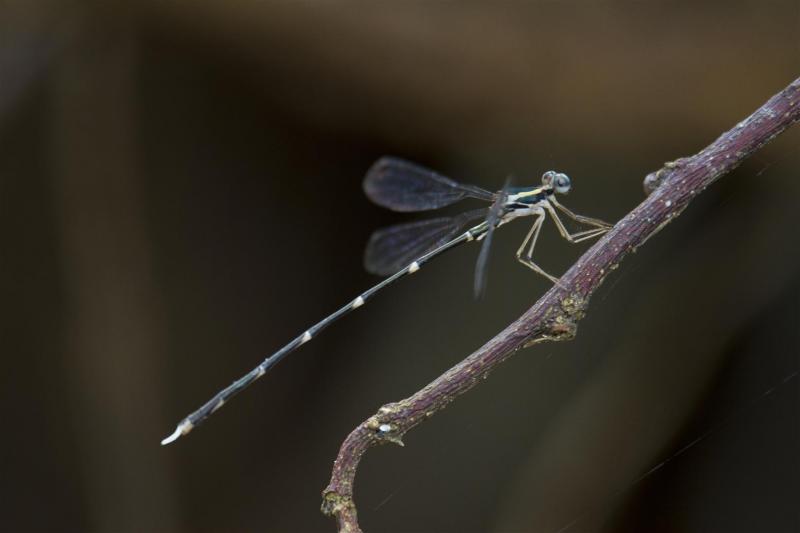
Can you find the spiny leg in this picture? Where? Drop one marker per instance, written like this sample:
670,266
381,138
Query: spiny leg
588,234
527,259
580,235
579,218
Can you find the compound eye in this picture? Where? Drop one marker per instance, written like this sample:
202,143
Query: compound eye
548,177
562,183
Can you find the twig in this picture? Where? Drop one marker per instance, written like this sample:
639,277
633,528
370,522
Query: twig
556,315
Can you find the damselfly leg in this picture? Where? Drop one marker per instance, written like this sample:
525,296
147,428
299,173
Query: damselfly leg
600,227
530,242
578,236
580,218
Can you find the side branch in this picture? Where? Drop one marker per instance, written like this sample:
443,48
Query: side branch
555,316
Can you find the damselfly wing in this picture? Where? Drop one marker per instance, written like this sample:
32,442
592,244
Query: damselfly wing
493,218
403,186
390,249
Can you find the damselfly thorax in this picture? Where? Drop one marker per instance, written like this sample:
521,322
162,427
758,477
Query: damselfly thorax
525,201
403,249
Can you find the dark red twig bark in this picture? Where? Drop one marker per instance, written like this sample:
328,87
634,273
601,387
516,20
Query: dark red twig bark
555,316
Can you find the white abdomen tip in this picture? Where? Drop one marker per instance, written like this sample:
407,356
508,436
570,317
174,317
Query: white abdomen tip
358,302
413,267
182,429
306,337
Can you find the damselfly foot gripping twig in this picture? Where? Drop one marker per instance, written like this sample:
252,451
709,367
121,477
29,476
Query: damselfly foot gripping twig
402,249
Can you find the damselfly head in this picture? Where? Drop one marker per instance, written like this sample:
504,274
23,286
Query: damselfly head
557,181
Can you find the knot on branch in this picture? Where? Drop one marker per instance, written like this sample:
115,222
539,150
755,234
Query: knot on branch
654,180
384,431
344,509
562,321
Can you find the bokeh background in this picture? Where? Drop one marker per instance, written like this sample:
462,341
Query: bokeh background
180,195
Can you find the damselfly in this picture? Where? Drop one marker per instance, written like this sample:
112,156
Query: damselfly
402,249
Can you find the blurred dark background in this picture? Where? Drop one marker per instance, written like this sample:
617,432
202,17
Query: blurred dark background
180,195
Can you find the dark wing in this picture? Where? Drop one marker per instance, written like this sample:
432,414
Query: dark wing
402,186
495,212
391,249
